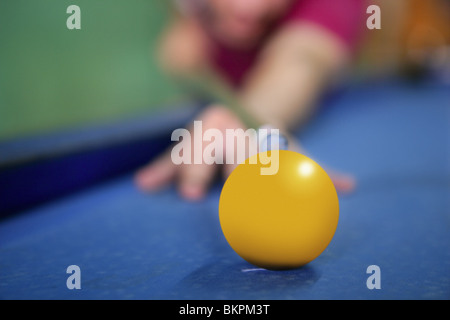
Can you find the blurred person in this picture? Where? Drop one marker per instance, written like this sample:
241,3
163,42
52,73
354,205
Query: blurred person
267,61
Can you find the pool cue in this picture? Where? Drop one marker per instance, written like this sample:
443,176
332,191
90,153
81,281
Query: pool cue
208,84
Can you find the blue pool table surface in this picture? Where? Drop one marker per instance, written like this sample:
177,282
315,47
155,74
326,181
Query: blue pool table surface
394,137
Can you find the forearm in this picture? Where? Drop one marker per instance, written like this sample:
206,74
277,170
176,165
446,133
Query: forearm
284,86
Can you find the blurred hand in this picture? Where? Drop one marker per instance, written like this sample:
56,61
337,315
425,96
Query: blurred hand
193,180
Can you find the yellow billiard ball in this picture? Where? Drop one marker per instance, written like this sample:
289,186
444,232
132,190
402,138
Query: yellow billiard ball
279,221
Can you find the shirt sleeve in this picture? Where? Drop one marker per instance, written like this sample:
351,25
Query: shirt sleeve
344,18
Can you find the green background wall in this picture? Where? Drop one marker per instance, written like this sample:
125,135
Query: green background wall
53,78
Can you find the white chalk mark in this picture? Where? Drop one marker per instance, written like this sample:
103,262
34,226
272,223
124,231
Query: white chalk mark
253,269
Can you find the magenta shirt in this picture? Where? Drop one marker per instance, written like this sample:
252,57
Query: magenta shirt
344,18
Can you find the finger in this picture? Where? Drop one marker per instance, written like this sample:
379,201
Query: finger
195,180
157,174
343,183
228,169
